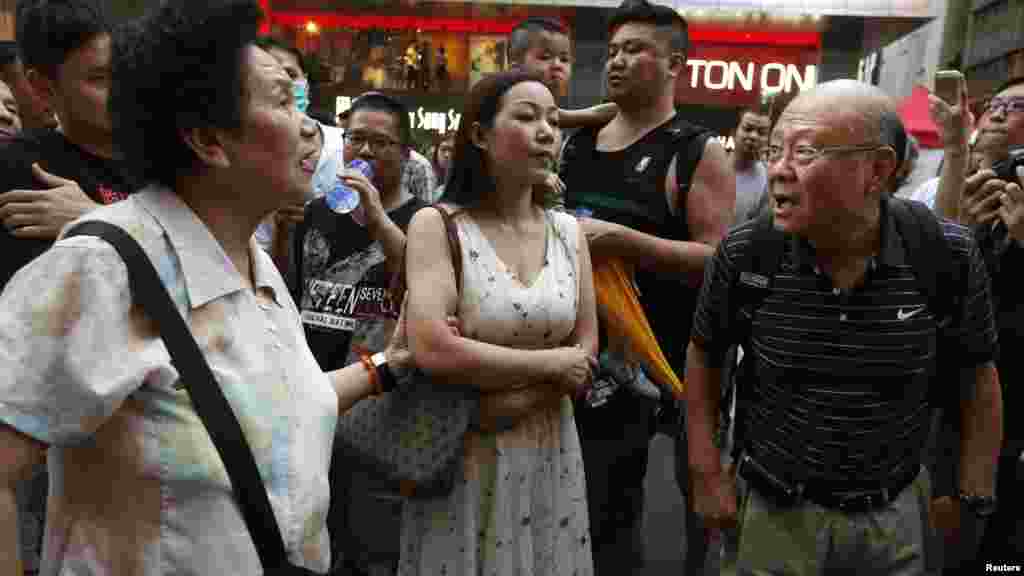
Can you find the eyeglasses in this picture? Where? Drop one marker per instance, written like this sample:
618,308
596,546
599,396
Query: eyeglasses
377,143
1007,104
804,154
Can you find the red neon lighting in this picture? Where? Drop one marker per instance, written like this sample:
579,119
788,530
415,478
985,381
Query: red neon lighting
267,17
704,35
328,20
760,37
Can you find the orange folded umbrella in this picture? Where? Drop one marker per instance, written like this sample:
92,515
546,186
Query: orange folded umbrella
626,324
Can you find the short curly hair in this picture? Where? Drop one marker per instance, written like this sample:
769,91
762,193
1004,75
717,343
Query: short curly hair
177,69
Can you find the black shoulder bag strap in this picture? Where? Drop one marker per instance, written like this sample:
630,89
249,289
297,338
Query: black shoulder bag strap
942,281
213,409
691,141
755,270
579,151
938,275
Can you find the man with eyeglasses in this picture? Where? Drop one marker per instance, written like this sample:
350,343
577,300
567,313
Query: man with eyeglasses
354,255
994,208
826,294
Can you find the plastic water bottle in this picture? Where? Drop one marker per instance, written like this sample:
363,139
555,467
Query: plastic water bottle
343,199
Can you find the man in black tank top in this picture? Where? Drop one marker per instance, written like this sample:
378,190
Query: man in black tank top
661,194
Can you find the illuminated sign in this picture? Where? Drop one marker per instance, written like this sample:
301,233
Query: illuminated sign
772,77
421,119
440,122
732,76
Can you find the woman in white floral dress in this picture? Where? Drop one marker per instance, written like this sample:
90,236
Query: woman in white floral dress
529,333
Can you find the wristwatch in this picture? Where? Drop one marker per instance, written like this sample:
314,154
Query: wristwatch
384,373
981,506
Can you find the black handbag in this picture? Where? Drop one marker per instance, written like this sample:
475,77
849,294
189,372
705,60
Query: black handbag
414,435
149,293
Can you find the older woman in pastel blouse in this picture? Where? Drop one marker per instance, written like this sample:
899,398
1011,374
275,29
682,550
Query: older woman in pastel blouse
137,487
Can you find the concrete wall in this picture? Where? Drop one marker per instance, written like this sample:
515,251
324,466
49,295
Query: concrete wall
842,44
954,35
591,35
913,59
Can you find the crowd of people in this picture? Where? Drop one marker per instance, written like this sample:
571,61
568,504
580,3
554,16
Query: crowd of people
843,396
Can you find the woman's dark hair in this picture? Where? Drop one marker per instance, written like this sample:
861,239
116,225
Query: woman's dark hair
178,69
468,175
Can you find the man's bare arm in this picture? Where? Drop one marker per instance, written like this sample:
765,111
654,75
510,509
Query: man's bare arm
43,212
981,432
954,124
597,115
702,398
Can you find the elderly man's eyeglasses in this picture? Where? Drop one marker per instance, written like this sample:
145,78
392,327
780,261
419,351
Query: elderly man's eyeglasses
805,154
1007,104
377,143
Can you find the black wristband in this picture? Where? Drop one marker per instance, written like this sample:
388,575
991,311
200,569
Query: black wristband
980,506
387,379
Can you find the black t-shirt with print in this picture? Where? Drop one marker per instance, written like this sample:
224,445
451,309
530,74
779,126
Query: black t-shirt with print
103,180
341,284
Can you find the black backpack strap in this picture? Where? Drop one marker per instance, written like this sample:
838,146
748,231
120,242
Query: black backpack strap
149,293
689,141
938,274
942,280
579,150
756,267
755,273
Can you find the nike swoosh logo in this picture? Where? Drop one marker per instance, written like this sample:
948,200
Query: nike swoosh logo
904,315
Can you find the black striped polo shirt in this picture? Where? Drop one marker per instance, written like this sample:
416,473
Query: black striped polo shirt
843,376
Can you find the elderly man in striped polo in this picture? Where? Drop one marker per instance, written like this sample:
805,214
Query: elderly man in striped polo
842,334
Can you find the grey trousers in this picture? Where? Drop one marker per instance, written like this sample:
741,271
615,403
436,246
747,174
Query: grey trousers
808,540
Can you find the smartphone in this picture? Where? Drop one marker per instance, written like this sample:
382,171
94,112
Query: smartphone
949,85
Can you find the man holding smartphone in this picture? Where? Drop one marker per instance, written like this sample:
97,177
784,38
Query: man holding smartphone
992,203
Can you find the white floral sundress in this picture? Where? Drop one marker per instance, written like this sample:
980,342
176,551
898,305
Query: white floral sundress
521,507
